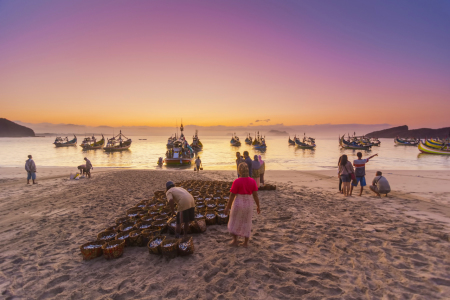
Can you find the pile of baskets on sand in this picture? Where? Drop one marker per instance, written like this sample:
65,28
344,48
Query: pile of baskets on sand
151,224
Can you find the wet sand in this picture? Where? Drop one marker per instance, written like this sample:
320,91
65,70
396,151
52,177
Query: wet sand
309,242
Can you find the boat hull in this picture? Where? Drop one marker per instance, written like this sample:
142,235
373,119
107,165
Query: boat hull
306,147
424,149
65,145
178,161
397,142
433,144
116,149
91,147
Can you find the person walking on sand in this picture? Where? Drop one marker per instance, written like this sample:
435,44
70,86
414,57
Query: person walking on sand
186,206
340,180
262,169
345,171
88,167
380,185
30,167
360,171
239,160
249,162
240,206
198,163
255,170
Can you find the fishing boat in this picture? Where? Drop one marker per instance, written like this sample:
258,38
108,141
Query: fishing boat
291,142
196,145
181,153
235,140
92,143
375,142
436,143
170,141
352,144
406,142
248,140
445,150
259,143
65,142
118,143
306,143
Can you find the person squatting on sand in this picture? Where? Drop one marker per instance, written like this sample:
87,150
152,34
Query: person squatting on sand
345,170
239,160
186,206
242,194
198,163
360,171
88,167
380,185
255,170
30,167
262,169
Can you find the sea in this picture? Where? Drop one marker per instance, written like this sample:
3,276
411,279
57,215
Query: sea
217,154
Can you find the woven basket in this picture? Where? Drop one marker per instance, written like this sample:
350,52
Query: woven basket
155,248
169,248
115,228
222,218
165,212
135,213
160,225
211,218
126,227
211,205
136,238
124,236
113,249
201,223
200,214
186,246
92,250
148,234
144,225
153,212
107,235
147,217
200,206
172,225
159,193
160,218
222,204
121,220
217,196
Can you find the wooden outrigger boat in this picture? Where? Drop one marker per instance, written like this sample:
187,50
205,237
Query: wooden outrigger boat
170,141
375,142
435,143
196,144
181,153
64,142
259,143
406,142
248,140
235,141
291,142
118,143
92,144
445,150
353,145
307,143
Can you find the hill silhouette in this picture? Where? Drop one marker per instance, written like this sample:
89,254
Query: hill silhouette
11,129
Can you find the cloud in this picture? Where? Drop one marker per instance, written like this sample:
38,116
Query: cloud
250,124
266,120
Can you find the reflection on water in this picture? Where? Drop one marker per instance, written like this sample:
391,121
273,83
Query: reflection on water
218,154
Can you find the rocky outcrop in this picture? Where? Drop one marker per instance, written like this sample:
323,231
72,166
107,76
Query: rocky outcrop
404,132
11,129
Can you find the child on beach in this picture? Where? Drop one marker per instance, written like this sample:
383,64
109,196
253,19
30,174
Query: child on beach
360,171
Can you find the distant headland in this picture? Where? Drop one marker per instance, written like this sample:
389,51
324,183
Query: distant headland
404,132
277,132
11,129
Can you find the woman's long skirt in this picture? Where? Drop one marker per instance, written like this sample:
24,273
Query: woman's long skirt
257,179
240,222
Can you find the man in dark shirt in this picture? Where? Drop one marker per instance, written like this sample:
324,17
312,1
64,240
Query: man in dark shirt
248,161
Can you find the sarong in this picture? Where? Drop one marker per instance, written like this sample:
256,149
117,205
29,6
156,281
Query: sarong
240,222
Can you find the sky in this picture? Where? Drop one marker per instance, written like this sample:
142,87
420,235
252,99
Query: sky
239,63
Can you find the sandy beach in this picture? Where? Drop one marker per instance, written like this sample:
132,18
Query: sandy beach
309,242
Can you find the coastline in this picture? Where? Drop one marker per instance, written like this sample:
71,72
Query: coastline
309,241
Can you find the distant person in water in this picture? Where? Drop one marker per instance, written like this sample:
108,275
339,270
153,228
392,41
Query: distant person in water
360,171
249,162
380,185
239,159
30,167
255,170
262,169
88,167
198,163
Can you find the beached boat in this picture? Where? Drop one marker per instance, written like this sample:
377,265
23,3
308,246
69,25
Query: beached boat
291,142
196,144
181,153
65,142
445,150
406,142
170,141
259,143
306,143
118,143
91,143
248,140
235,140
353,144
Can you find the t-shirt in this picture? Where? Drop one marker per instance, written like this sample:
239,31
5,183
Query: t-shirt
244,186
382,184
249,163
181,197
360,167
198,162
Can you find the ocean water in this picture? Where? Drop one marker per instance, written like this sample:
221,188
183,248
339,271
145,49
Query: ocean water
217,154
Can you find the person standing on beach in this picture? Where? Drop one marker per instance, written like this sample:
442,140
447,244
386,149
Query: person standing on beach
255,170
239,160
345,170
340,180
249,162
30,167
198,163
242,194
186,206
360,171
380,185
262,169
88,167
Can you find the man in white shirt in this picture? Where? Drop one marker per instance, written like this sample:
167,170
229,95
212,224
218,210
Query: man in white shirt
30,167
380,185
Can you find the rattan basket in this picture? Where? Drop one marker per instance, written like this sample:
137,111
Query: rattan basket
121,220
113,249
169,248
153,246
124,236
144,225
136,238
148,235
222,218
186,246
107,235
211,218
160,225
92,250
126,227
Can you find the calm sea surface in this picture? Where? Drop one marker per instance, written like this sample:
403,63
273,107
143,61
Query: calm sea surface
217,154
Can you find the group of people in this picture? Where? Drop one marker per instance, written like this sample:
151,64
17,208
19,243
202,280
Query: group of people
355,174
85,169
256,167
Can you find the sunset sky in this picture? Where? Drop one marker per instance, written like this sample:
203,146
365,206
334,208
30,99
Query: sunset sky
225,62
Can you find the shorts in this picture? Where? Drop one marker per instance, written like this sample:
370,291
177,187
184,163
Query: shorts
345,178
31,175
362,180
187,215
